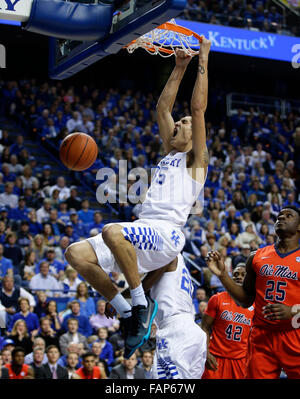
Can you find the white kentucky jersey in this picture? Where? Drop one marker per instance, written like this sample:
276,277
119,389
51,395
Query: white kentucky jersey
173,191
173,293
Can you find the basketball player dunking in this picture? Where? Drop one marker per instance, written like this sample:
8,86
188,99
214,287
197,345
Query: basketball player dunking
272,283
156,238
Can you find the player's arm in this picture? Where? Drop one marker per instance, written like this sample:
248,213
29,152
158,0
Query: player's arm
167,98
244,295
206,325
198,106
30,375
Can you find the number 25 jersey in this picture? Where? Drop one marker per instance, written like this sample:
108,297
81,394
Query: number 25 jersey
277,280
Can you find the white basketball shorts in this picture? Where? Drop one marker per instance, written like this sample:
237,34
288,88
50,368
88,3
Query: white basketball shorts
156,244
180,349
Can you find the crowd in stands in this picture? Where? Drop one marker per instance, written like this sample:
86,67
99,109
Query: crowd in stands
258,15
253,171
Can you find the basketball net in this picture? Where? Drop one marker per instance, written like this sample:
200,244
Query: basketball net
164,40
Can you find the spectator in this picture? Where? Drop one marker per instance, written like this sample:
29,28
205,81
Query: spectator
37,343
38,359
13,252
27,178
43,213
199,297
72,347
85,214
7,198
56,268
64,192
18,370
6,266
52,314
3,370
72,361
6,355
69,232
74,202
52,370
87,304
47,333
97,224
78,226
127,370
106,350
46,180
89,371
48,235
61,249
70,283
31,319
201,310
20,336
57,225
38,246
147,362
9,297
247,237
100,320
18,146
21,212
83,322
29,265
41,305
71,336
43,281
242,257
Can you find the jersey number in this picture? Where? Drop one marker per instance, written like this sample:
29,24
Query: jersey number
159,176
186,283
275,291
234,333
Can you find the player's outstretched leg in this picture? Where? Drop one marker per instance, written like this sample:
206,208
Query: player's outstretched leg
143,308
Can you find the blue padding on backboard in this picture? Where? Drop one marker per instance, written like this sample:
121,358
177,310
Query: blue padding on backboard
94,51
7,22
73,21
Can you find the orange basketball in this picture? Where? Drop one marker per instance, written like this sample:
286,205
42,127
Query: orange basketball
78,151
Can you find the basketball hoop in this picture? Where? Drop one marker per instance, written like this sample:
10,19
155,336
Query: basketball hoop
164,39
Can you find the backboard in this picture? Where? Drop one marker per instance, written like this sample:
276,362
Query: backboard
67,57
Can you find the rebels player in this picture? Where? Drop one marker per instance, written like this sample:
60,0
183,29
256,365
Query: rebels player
227,326
272,283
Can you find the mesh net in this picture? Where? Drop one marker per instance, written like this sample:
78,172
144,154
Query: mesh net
165,39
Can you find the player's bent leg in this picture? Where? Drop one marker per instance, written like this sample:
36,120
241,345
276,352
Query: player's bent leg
82,257
123,252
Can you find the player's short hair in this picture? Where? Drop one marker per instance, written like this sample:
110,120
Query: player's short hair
88,354
17,350
294,208
241,264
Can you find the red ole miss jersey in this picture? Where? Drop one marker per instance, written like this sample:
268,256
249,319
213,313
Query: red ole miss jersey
23,373
95,376
231,326
277,280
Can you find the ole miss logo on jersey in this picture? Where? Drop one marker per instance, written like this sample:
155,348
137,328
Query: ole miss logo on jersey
231,326
277,280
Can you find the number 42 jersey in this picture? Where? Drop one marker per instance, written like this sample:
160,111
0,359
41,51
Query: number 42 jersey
231,326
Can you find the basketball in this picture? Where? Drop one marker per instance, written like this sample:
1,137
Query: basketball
78,151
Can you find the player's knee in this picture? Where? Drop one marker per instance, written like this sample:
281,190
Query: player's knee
74,254
112,235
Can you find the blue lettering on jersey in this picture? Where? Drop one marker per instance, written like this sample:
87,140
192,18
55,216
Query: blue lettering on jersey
162,344
186,282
